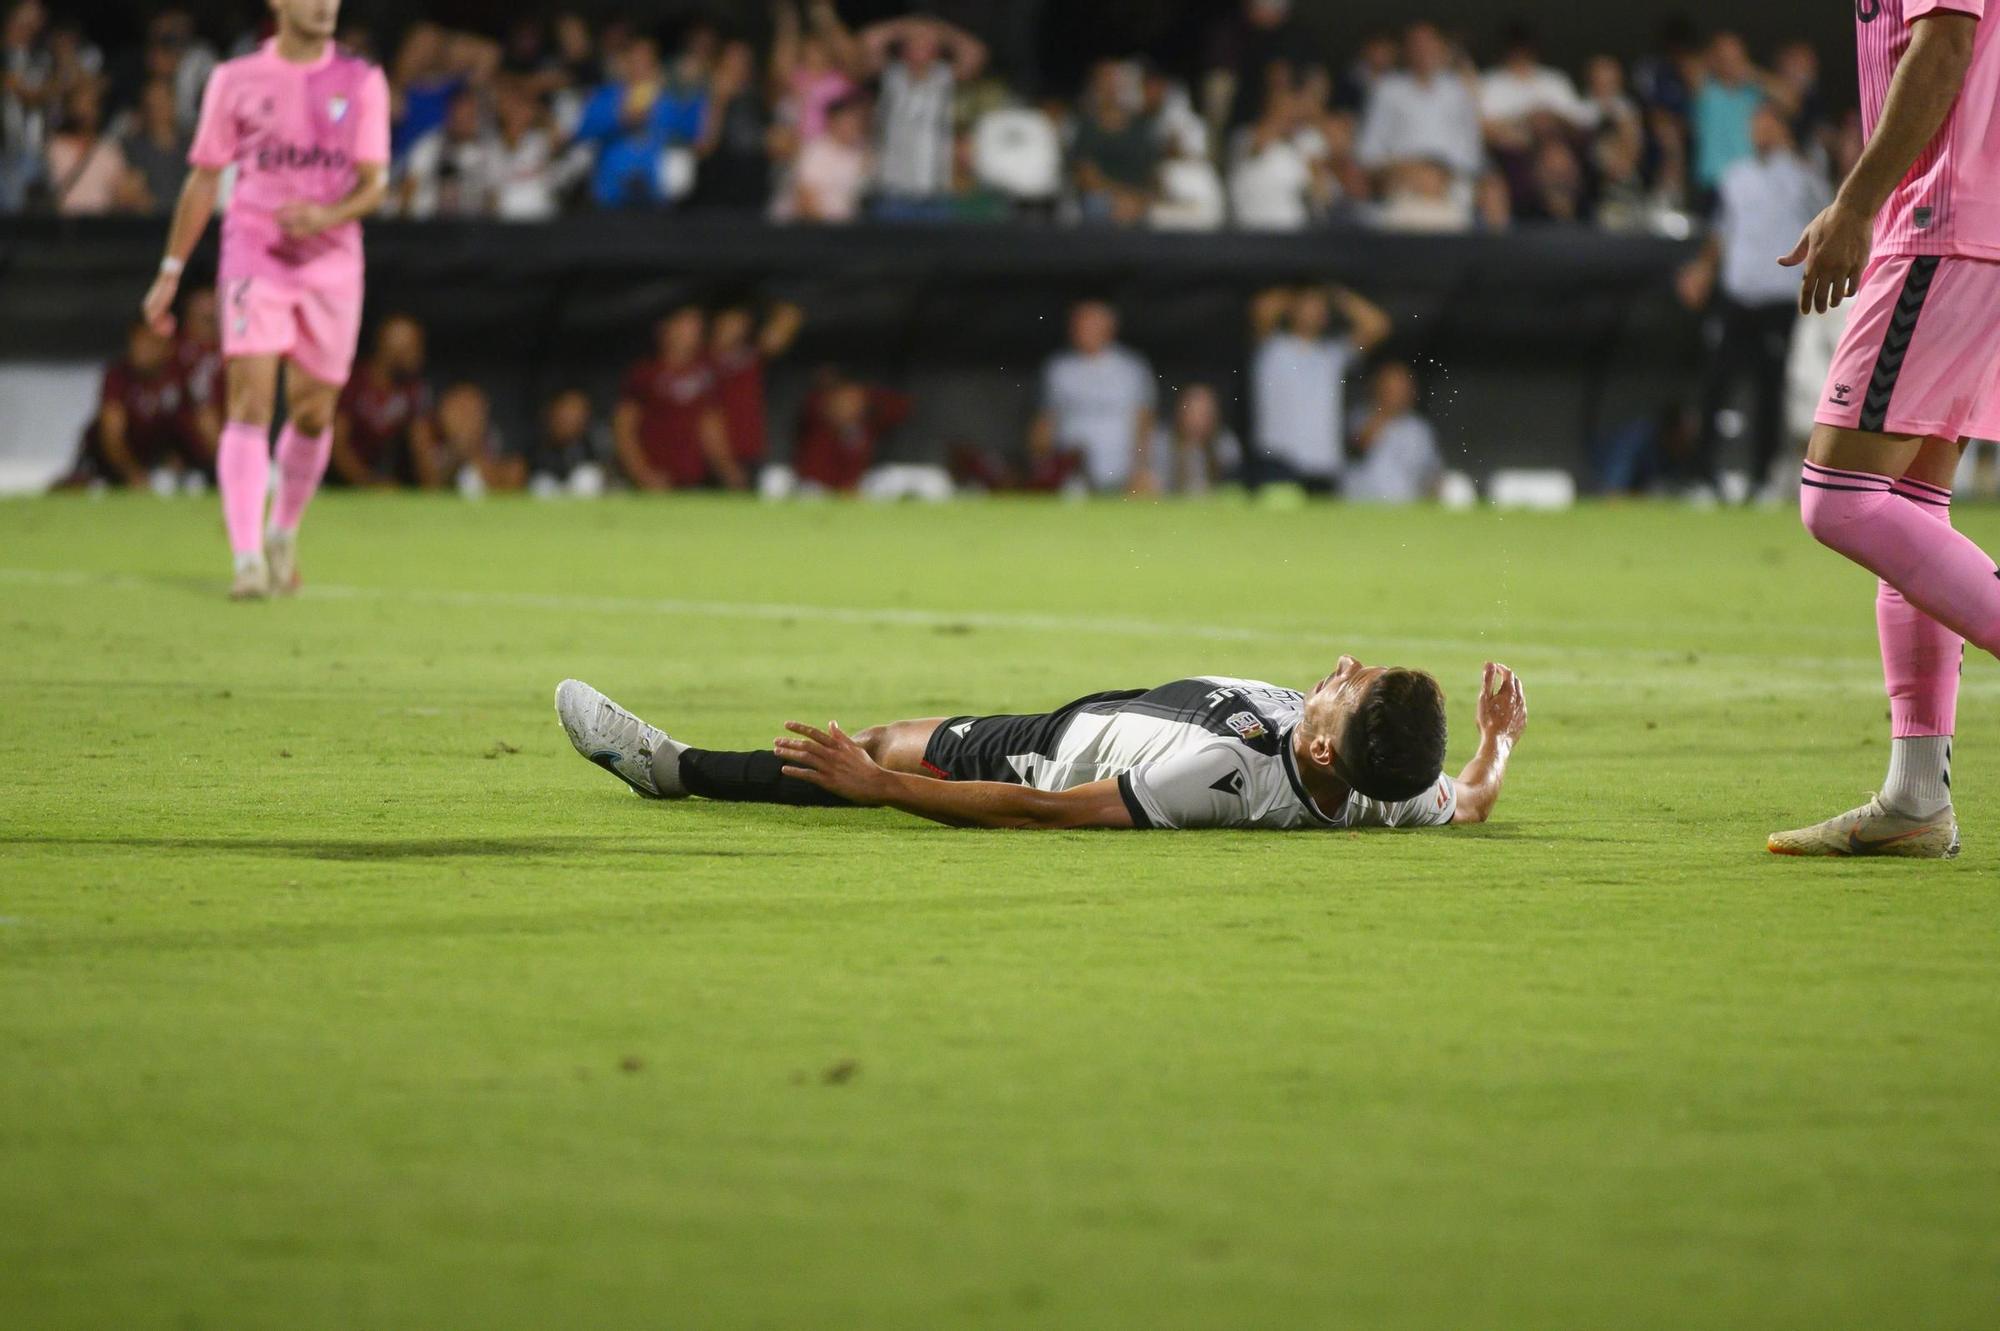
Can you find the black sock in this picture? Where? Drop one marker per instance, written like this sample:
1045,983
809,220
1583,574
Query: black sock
756,778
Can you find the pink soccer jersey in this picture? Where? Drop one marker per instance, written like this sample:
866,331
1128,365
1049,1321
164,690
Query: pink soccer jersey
1949,204
295,133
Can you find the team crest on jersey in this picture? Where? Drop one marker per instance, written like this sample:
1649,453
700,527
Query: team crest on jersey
1247,725
337,108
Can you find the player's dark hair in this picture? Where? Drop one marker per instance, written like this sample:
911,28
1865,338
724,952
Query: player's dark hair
1392,747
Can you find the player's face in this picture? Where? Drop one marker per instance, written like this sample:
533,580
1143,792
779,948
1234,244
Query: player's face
1310,315
317,19
1092,327
148,350
402,347
1334,698
732,330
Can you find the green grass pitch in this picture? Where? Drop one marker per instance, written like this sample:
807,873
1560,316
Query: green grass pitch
335,991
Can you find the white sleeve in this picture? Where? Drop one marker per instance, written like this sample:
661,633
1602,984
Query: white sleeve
1433,808
1206,787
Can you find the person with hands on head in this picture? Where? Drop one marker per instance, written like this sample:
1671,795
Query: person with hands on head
1364,748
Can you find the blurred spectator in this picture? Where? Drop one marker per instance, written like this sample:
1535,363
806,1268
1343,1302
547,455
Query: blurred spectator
1272,183
1765,203
841,428
137,437
528,179
1397,459
1018,151
452,171
1098,402
1114,158
431,68
1191,196
1422,195
1523,101
1242,53
86,167
384,431
198,362
1375,57
741,352
635,121
1557,188
155,151
813,58
1169,113
27,87
478,458
1296,380
1492,210
1426,112
735,148
1724,102
921,63
1196,450
833,170
669,426
567,456
1795,84
177,55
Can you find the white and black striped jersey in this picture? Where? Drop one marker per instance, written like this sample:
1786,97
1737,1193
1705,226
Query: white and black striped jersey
1204,752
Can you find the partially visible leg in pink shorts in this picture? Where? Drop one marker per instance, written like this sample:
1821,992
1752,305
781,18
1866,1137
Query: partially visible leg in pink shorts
317,328
1921,355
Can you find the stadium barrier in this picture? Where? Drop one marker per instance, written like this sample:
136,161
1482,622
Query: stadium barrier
1531,344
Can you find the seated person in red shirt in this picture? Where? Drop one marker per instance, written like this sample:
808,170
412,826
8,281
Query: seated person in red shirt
740,351
198,360
384,433
137,436
669,426
841,426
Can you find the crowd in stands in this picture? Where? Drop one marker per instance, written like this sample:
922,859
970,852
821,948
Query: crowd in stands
692,413
809,120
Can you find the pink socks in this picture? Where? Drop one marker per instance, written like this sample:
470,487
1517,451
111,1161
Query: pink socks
301,463
243,474
1921,658
1892,532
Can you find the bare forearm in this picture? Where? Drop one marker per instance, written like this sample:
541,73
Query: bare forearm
974,803
370,185
191,215
1479,784
1927,83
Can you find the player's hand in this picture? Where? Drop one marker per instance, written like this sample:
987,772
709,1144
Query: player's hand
158,307
831,760
1834,250
300,219
1503,707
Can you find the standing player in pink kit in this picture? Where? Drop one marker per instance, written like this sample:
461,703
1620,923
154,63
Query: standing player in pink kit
307,128
1914,238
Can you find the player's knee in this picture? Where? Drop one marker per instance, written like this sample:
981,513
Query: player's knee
1833,517
313,418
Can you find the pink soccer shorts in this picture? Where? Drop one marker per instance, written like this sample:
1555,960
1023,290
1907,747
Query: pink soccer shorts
317,328
1921,354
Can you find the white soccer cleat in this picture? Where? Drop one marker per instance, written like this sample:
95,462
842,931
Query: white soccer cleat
1874,830
253,581
281,555
620,742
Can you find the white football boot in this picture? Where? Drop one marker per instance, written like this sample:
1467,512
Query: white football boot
1874,830
281,555
253,580
644,757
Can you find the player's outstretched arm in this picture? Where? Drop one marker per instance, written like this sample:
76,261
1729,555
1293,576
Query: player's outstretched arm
1928,79
1502,716
831,760
191,218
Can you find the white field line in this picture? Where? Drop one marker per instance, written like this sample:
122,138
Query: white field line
1775,674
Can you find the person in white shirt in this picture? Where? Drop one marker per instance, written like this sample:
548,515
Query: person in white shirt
1761,200
1100,400
1296,377
922,62
831,176
1397,459
450,171
1520,91
1426,112
1275,177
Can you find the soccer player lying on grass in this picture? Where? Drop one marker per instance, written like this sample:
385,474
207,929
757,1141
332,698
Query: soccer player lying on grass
1365,748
